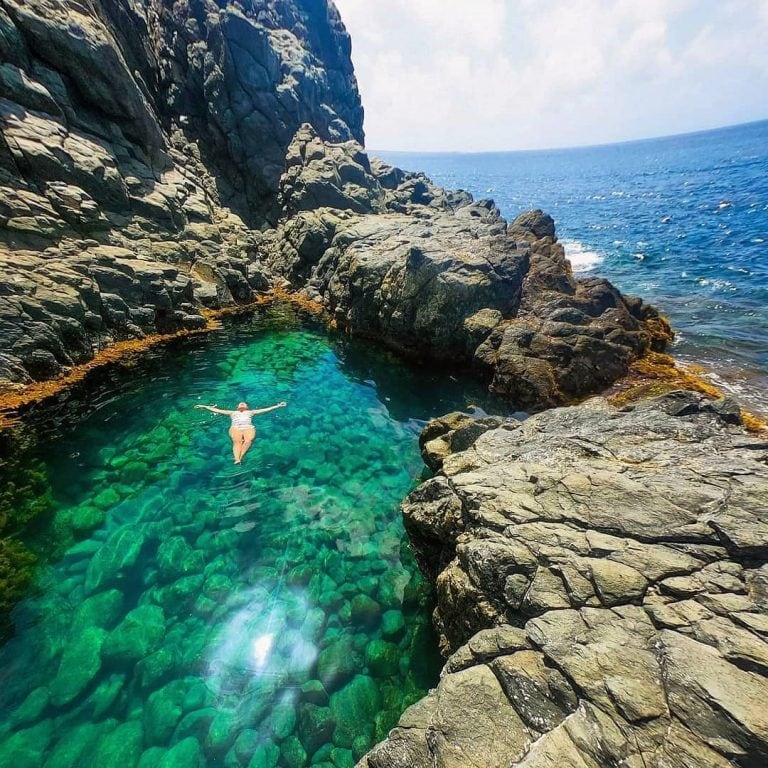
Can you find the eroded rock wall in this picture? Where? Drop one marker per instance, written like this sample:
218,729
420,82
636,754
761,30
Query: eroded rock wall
120,84
160,158
602,588
140,152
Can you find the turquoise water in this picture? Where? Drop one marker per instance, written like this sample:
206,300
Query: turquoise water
681,221
190,612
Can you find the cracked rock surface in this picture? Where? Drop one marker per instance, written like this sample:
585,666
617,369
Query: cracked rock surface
602,578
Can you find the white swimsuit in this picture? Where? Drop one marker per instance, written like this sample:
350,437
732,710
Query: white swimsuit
242,419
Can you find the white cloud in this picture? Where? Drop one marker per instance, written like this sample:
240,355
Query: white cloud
453,75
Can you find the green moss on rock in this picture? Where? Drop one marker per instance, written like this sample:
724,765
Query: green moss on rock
80,663
137,635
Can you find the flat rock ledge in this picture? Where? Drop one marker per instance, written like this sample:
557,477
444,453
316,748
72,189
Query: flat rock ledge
602,590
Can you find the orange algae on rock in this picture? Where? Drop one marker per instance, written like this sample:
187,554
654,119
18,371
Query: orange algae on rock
13,399
753,423
657,373
661,331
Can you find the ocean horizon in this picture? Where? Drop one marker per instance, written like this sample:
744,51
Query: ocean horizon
680,220
568,148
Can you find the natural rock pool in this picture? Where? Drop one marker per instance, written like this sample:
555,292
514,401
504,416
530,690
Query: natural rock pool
190,612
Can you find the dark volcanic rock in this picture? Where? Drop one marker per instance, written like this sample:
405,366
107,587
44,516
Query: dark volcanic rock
629,549
570,336
437,275
228,85
140,144
322,175
160,158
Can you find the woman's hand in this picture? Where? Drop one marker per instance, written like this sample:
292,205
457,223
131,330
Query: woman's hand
282,405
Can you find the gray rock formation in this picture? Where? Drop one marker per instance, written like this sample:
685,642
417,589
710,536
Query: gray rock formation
157,159
602,588
437,275
97,94
140,152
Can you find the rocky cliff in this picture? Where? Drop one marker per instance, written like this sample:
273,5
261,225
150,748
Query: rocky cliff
601,581
158,159
440,276
141,149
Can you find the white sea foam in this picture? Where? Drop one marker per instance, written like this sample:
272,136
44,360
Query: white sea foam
581,258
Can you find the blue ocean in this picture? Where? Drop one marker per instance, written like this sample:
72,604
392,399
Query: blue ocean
681,221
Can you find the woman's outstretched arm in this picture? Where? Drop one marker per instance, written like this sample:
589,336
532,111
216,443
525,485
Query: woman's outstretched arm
214,409
271,408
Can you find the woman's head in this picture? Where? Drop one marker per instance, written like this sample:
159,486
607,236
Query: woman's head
242,406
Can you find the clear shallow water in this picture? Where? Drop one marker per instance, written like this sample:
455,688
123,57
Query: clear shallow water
681,221
228,615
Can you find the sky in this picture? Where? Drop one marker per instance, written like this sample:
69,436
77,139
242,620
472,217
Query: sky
489,75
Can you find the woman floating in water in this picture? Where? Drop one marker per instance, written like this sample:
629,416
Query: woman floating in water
242,430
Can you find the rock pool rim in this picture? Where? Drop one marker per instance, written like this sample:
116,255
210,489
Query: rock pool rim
653,373
15,402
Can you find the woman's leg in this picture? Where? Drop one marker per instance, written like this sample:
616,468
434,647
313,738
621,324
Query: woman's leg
237,442
248,436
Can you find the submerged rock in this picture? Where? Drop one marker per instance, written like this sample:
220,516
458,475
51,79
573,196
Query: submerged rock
393,625
292,753
105,695
137,635
365,610
31,708
382,658
265,756
101,610
629,548
74,744
338,662
354,708
80,663
185,754
163,711
119,552
25,748
315,726
122,746
176,558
